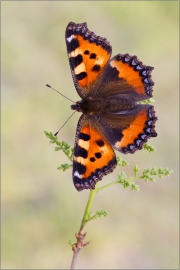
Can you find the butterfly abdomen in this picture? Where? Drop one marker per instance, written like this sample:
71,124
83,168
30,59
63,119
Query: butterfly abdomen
119,105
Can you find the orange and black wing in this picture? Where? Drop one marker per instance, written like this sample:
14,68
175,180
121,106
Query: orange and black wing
126,76
88,55
128,131
93,155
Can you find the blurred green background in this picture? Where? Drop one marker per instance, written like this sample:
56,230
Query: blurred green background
41,210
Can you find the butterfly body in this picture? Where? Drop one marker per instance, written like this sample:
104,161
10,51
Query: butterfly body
111,116
99,105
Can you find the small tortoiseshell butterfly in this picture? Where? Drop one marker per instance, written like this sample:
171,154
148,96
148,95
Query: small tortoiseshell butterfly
110,90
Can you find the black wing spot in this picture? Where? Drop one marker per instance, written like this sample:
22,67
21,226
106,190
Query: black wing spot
84,136
76,61
80,152
92,56
86,52
81,169
100,143
81,76
98,155
92,159
96,68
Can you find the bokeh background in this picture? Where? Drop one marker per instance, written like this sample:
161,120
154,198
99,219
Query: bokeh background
41,210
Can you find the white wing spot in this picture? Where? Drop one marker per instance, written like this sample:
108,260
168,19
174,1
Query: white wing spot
70,38
77,174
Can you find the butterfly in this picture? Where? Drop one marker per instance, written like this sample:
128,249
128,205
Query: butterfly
110,89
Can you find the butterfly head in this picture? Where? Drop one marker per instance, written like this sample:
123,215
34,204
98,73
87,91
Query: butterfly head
85,106
77,106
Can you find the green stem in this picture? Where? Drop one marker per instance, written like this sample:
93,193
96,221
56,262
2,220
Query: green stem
117,182
87,211
108,185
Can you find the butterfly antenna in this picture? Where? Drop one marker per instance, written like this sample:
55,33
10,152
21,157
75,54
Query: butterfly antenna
55,134
59,93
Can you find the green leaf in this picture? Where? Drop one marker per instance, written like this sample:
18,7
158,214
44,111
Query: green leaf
64,146
98,214
135,169
148,173
147,101
64,167
121,162
149,148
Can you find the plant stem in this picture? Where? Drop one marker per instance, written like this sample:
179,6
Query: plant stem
108,185
87,211
79,245
74,259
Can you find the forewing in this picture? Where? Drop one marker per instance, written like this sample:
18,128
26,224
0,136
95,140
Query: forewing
88,55
126,76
